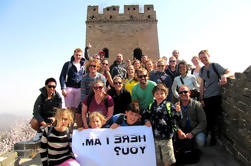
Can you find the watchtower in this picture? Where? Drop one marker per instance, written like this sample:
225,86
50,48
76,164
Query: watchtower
130,33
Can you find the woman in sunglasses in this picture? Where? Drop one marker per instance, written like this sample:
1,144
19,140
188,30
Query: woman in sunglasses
120,96
97,101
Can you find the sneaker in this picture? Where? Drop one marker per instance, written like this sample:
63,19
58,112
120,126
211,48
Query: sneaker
37,137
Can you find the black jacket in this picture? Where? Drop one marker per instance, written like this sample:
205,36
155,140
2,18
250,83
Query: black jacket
44,108
121,102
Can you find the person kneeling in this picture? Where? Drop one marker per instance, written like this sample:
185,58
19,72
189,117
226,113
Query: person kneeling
191,127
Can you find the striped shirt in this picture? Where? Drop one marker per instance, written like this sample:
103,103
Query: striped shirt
87,83
55,148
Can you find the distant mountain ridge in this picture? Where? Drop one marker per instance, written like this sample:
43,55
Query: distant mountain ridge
7,120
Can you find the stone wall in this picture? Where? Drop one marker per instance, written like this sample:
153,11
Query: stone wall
122,32
236,125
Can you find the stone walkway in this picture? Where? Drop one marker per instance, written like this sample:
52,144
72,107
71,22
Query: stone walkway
211,156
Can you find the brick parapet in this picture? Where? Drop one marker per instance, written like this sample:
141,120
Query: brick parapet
111,14
236,125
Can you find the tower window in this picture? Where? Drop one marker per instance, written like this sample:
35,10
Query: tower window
94,9
148,8
134,8
128,9
110,17
114,8
148,16
107,9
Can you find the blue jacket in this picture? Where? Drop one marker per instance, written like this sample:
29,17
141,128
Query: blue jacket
73,76
120,119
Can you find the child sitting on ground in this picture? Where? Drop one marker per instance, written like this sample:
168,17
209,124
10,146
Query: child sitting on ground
129,118
161,115
56,141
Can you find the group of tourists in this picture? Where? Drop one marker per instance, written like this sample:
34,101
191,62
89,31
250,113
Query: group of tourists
178,101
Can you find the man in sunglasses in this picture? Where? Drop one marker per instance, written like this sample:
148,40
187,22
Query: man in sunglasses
44,108
193,123
142,92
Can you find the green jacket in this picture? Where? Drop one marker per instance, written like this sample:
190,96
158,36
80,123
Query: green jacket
196,116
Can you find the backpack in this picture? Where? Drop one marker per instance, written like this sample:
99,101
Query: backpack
185,152
168,108
215,70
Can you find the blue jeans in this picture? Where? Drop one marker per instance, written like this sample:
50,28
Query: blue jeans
200,139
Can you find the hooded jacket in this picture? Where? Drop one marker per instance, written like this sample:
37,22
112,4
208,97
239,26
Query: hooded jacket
70,76
44,107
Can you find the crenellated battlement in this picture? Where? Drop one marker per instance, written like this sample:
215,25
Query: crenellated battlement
111,14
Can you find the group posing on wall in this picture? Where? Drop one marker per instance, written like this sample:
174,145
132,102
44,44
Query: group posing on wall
181,103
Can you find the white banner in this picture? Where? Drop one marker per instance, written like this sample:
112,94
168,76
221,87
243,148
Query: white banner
124,146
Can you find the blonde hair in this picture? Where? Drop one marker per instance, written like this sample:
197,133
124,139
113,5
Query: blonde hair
204,52
77,50
59,115
92,60
98,115
117,78
161,60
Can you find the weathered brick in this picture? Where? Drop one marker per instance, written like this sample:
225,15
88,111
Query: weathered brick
122,33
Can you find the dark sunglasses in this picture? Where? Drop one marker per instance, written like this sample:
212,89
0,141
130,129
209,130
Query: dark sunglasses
172,61
94,66
98,87
117,83
51,86
105,64
183,92
142,76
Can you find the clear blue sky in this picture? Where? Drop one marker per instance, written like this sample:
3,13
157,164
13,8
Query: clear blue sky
38,36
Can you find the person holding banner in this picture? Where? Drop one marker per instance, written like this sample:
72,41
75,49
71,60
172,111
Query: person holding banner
56,141
129,118
97,101
96,120
161,115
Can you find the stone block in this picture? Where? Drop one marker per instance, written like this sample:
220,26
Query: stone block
8,158
239,76
29,153
27,149
26,145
